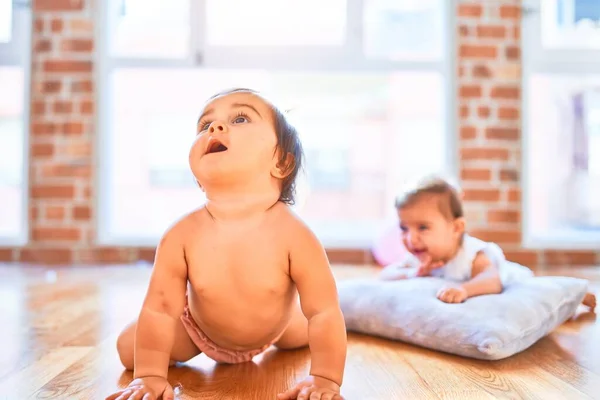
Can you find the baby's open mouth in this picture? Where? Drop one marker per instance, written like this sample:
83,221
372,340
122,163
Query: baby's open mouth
216,147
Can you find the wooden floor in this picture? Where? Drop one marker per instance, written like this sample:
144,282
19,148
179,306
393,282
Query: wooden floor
59,329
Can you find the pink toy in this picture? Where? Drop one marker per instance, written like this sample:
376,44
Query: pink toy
388,247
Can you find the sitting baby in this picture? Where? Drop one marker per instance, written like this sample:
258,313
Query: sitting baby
433,231
242,272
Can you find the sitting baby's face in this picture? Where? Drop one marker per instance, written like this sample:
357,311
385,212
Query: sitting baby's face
235,140
426,232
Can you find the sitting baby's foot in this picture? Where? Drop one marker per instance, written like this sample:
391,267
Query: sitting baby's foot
590,301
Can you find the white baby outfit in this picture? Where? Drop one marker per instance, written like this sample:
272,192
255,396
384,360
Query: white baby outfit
459,268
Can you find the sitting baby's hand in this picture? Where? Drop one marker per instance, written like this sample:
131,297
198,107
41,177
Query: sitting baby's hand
452,294
313,388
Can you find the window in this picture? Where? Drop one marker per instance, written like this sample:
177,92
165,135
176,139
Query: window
561,60
370,104
15,25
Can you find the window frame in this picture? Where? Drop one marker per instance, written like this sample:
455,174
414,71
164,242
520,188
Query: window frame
17,53
536,60
322,58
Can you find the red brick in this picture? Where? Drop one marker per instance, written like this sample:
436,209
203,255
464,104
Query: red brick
509,113
42,46
560,257
55,233
464,111
53,192
505,92
468,132
512,52
73,128
482,71
470,91
77,45
50,86
86,107
517,32
498,236
72,66
503,216
147,254
105,255
63,107
502,133
6,255
85,86
56,25
42,128
55,212
478,51
42,150
524,257
38,25
38,108
491,31
57,5
34,213
509,175
66,171
483,111
53,256
474,174
479,153
463,30
510,11
487,195
470,10
82,212
514,195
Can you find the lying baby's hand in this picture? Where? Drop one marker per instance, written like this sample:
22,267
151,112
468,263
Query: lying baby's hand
148,388
313,388
452,294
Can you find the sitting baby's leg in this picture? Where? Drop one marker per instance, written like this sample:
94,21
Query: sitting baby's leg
296,334
590,301
183,348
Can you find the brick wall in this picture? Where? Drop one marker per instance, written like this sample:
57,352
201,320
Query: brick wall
62,192
489,88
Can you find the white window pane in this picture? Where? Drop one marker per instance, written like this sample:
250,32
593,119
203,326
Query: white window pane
571,24
276,22
363,135
12,139
5,21
403,30
149,28
564,173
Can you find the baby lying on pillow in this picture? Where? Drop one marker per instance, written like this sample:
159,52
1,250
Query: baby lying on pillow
433,231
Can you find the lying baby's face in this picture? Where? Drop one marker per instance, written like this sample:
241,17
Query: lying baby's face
235,139
426,232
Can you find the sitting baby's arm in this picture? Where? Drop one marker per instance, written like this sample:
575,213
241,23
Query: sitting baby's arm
162,307
485,280
311,272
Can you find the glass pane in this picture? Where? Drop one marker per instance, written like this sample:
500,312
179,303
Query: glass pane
358,131
150,28
571,24
403,30
11,151
564,169
5,20
276,22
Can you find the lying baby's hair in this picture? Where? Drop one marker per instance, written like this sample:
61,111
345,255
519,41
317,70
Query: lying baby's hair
449,196
288,142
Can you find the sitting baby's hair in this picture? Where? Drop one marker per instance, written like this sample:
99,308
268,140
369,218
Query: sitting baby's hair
291,157
449,196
